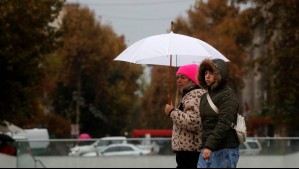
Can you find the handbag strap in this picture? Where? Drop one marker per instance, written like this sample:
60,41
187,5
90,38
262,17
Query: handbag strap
212,104
232,125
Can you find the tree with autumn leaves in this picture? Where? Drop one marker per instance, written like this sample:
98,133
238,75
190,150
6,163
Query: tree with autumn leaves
45,63
45,71
229,26
104,88
278,61
26,39
218,24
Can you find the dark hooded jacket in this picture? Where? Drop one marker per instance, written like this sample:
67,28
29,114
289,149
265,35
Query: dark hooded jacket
217,131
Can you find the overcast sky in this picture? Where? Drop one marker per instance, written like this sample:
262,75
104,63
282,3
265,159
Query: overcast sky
138,19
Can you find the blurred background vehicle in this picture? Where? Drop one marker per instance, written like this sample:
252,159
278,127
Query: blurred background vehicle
38,139
7,145
120,150
158,140
250,147
97,146
22,145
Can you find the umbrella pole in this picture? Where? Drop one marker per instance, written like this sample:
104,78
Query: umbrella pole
170,72
169,81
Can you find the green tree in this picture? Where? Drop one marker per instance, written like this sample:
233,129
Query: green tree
89,71
26,38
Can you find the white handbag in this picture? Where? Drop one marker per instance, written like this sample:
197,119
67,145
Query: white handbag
240,127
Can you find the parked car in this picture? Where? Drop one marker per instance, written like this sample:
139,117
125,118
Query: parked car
22,144
120,150
97,146
250,147
38,139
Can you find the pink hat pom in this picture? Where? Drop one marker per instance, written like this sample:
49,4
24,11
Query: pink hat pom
190,71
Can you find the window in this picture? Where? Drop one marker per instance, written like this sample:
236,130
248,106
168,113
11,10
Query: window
111,149
253,145
125,148
242,146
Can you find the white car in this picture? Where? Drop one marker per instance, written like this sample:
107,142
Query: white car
120,150
250,147
97,146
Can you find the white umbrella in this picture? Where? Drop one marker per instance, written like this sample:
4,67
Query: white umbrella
169,50
158,50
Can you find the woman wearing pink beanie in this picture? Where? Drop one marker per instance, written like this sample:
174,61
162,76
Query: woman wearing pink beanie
186,134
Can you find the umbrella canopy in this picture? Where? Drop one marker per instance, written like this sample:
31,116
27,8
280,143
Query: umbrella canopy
169,49
84,136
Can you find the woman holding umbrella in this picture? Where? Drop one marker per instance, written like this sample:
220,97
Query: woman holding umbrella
186,137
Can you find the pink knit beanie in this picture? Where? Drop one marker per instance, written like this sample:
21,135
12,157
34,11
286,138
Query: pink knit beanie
189,71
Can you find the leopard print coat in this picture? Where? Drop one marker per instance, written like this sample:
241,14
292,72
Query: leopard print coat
187,127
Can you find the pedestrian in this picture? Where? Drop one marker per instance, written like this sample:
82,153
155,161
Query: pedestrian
186,134
220,144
